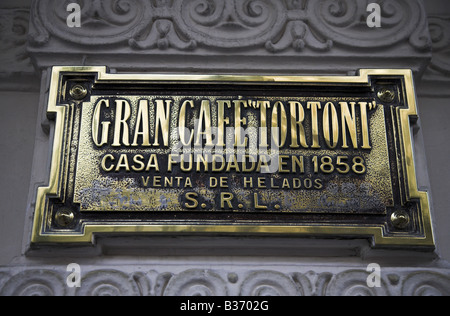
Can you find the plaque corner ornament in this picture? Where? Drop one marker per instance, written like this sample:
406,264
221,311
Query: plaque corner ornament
344,162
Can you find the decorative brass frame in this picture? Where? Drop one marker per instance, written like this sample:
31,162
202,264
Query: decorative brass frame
56,179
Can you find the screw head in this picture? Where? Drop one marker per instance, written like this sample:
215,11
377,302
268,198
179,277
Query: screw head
400,219
64,217
78,92
386,95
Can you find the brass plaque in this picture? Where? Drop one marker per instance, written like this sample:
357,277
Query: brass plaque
309,156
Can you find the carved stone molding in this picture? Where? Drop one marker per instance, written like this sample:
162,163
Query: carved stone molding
440,35
104,22
14,34
235,24
238,29
242,281
436,79
255,35
16,69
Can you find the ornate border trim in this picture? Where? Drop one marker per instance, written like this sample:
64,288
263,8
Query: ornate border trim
218,281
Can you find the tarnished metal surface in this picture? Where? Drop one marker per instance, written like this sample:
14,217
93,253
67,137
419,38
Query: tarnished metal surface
313,156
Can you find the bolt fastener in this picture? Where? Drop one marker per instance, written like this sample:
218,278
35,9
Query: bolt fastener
386,95
64,217
78,92
400,219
